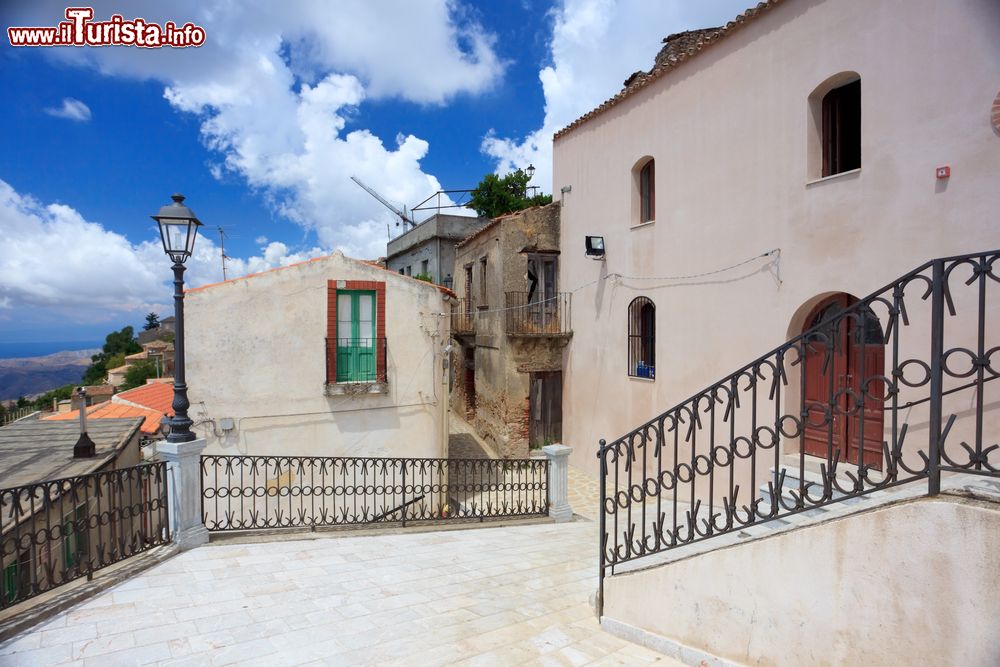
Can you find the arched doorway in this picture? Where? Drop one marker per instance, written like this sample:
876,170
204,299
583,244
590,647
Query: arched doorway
849,366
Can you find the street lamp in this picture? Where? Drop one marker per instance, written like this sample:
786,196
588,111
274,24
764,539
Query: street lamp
178,230
530,171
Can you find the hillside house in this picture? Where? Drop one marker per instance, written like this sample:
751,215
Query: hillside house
428,249
33,451
511,324
329,357
769,232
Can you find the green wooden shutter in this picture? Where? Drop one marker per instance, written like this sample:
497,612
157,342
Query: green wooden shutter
356,343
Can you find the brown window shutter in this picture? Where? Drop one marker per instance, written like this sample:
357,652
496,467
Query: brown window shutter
652,190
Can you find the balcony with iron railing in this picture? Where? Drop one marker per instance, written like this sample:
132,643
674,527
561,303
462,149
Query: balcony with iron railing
463,318
529,314
356,361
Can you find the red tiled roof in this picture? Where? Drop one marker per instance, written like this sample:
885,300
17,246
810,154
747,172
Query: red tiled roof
155,395
316,259
109,410
707,39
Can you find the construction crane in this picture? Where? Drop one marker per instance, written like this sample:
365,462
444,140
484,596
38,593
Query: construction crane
402,214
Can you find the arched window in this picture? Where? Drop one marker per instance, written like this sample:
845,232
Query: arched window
643,177
842,129
642,338
647,192
835,136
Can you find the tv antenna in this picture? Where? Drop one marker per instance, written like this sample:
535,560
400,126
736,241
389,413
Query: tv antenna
222,248
404,218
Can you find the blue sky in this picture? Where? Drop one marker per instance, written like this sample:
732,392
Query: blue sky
262,126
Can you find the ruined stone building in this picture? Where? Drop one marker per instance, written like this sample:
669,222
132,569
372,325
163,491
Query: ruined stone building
511,324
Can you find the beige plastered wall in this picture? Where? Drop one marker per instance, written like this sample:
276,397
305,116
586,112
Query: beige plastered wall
256,354
732,134
907,584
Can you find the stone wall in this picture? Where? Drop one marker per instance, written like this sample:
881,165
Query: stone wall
503,364
906,584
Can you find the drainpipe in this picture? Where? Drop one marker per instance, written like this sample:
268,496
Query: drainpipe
445,370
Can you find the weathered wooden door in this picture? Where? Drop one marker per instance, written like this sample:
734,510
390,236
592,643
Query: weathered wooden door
545,401
845,365
543,270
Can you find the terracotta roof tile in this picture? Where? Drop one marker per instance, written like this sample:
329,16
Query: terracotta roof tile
110,410
669,61
440,288
156,395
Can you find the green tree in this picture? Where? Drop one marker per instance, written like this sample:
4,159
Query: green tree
115,360
137,374
498,195
152,322
44,402
117,342
22,402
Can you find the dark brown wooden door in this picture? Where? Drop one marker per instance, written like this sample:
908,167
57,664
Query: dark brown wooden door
853,360
545,401
866,370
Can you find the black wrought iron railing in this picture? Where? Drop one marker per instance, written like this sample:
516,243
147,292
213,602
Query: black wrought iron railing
896,387
356,360
262,492
56,531
532,314
463,317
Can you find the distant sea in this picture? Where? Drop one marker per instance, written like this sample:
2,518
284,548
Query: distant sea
39,349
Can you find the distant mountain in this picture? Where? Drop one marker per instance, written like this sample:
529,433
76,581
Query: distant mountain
28,376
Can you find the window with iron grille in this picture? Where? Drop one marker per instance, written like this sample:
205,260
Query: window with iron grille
642,338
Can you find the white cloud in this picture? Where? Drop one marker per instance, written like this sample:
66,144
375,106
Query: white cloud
595,46
276,87
52,258
71,109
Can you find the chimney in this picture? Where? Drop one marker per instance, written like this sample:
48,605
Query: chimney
84,447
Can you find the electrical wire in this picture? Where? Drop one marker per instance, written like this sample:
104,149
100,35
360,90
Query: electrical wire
618,276
700,275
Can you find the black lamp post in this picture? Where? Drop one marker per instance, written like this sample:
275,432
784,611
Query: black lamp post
178,229
530,171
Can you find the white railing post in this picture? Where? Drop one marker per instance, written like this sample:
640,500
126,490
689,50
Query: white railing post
184,482
558,456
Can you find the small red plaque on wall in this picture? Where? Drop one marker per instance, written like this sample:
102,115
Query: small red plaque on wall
943,172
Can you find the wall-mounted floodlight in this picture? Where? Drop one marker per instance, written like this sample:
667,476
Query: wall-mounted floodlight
595,247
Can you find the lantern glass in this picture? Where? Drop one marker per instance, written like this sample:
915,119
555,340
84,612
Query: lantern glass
178,229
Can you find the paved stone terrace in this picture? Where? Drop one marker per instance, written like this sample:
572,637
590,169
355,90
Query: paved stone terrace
489,596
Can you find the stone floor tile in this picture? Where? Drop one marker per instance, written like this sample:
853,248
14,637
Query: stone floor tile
89,648
502,595
68,634
138,655
42,657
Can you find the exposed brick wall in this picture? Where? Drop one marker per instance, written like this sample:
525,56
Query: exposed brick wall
503,363
331,320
